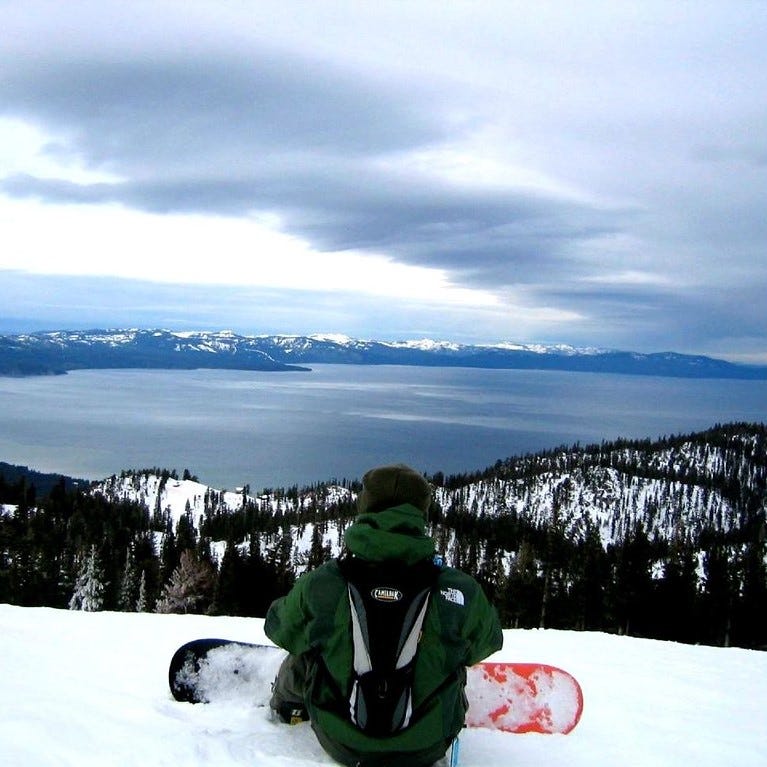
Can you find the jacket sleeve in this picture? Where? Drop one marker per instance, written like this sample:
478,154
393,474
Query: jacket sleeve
482,628
287,619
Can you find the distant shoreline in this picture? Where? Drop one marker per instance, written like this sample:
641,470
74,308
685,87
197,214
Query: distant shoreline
57,352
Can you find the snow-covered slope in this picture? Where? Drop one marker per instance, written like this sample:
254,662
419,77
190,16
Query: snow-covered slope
168,495
80,689
680,485
604,499
175,497
172,498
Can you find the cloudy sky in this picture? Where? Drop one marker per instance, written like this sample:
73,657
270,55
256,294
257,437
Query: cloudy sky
592,173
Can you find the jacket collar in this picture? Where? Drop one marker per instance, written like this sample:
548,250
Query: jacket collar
397,533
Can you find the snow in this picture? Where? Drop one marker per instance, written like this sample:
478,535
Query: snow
336,338
174,494
425,345
558,349
87,689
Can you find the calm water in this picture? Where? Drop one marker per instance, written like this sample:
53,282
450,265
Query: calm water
270,429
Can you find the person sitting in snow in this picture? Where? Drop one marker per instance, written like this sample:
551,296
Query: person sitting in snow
379,639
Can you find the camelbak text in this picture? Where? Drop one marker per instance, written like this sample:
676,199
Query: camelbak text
385,594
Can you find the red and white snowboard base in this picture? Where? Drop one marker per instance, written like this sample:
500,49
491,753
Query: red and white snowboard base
522,697
513,697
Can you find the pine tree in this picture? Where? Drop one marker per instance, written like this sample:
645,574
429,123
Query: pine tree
169,556
751,621
126,599
524,589
261,579
142,603
676,595
230,587
148,565
89,587
630,590
281,561
191,586
590,577
316,550
186,533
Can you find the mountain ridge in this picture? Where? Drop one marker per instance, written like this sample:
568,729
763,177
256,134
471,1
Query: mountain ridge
694,482
56,352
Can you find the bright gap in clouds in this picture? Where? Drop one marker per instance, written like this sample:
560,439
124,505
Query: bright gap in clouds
26,149
112,241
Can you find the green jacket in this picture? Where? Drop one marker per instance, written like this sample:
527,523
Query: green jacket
461,628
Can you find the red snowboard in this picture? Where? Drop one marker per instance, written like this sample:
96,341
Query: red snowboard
523,697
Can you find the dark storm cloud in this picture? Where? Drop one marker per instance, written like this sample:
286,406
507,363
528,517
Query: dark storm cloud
195,111
658,318
489,239
291,137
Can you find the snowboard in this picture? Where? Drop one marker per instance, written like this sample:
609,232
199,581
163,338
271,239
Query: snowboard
513,697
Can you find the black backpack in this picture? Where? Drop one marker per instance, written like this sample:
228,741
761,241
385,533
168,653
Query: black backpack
388,603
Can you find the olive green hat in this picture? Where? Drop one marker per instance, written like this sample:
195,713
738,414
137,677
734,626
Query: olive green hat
388,486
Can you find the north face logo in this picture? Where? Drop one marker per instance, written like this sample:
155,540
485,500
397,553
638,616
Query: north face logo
386,594
453,595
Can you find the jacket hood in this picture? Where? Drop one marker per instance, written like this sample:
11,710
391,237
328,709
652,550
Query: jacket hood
397,533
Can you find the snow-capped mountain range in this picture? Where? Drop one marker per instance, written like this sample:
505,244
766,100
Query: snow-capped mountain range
56,352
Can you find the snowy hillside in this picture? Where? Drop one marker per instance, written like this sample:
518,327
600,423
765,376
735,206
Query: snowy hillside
175,497
172,498
81,689
607,499
686,484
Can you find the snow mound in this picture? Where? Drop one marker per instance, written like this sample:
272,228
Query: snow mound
80,689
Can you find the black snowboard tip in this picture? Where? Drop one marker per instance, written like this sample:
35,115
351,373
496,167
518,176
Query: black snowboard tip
185,665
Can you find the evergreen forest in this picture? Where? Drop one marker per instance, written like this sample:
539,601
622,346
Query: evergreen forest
657,538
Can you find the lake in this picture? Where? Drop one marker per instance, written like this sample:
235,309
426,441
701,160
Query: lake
277,429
